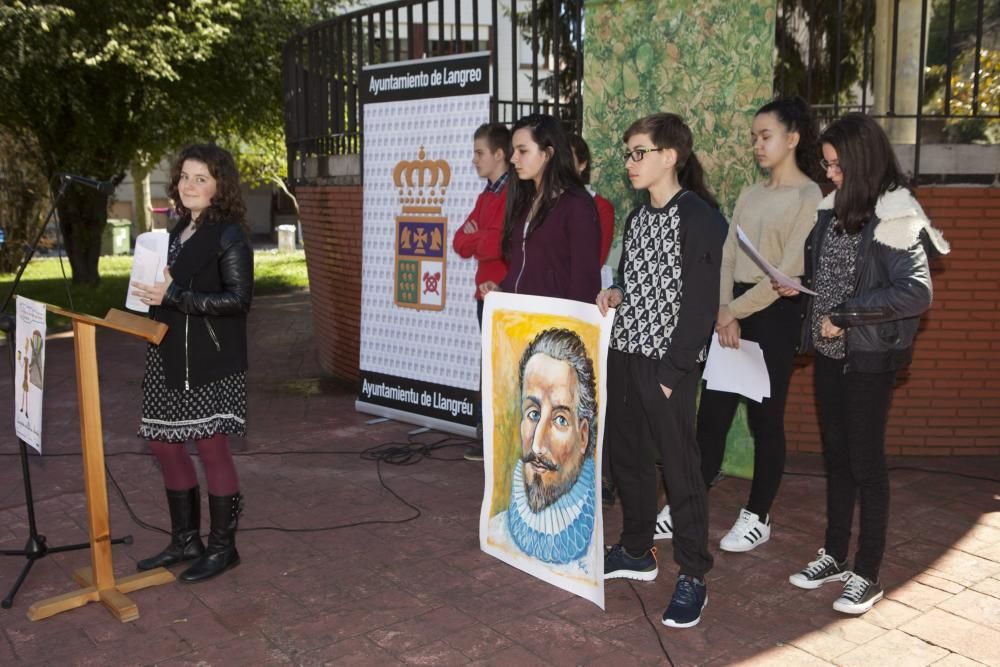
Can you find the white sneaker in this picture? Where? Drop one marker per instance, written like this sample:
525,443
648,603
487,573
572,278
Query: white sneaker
748,532
664,529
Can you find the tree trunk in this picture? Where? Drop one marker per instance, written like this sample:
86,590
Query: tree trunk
141,197
83,214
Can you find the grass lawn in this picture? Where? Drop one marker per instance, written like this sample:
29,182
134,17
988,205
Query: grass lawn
42,281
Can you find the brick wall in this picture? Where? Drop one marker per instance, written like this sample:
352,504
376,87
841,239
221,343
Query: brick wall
331,230
949,400
947,403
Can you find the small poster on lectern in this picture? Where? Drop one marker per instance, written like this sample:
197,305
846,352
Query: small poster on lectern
29,341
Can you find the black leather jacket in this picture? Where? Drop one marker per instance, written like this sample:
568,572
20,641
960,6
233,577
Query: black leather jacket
206,306
892,283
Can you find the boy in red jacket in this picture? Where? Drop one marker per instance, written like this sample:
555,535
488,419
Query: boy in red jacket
481,234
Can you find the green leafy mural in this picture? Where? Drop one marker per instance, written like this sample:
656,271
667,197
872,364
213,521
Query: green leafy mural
709,61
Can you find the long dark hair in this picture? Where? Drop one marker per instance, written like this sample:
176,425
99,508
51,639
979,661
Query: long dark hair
581,151
868,164
227,204
794,113
668,130
559,175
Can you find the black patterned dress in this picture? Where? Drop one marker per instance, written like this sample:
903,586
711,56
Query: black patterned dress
834,284
179,415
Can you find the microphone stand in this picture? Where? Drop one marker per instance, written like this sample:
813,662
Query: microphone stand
36,546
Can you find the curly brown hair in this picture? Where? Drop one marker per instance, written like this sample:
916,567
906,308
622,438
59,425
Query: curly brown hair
227,204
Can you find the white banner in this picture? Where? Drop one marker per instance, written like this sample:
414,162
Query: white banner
29,341
543,432
419,333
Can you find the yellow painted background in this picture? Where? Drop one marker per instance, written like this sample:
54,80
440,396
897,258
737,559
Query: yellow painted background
512,332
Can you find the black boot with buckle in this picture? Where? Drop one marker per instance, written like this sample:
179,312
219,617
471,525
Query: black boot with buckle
185,520
221,554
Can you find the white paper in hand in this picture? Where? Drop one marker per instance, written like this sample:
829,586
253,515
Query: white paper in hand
148,261
740,371
766,266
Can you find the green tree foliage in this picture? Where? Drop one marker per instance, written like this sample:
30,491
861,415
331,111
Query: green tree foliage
558,36
962,127
807,64
102,85
952,38
23,191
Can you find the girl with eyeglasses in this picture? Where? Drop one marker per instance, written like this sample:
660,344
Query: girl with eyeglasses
666,295
777,215
551,237
867,261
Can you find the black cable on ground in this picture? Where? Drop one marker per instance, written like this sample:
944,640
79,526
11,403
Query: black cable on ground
392,453
128,507
656,632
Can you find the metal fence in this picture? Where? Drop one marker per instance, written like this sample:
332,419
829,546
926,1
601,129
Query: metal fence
930,68
536,49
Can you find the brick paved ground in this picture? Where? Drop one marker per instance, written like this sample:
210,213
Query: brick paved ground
422,592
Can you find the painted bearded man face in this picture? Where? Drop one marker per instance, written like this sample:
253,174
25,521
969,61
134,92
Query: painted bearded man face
554,438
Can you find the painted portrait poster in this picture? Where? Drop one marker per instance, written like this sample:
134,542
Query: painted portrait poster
543,394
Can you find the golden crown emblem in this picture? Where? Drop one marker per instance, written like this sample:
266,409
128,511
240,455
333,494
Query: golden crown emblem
421,183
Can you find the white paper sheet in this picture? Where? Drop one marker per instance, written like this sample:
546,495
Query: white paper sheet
741,371
607,276
148,262
766,266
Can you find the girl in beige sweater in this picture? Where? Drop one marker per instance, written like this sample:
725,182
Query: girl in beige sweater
777,215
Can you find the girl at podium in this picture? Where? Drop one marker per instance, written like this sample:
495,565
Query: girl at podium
194,386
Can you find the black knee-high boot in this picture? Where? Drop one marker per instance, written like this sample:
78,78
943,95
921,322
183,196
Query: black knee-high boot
185,520
221,554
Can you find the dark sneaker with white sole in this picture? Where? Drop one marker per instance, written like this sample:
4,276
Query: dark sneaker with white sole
690,598
620,564
821,571
859,594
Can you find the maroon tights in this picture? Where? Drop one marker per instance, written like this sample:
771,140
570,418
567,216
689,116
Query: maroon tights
178,468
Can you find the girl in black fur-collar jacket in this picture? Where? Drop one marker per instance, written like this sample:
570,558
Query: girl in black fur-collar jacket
867,261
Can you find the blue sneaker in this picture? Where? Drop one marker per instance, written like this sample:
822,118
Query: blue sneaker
620,564
690,598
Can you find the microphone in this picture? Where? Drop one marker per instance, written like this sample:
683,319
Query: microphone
104,187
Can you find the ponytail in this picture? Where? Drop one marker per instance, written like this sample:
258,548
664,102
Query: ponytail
794,113
692,177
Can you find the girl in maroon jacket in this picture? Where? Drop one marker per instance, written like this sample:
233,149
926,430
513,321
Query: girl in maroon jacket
551,235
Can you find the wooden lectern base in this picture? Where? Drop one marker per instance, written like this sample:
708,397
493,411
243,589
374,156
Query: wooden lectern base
98,581
115,599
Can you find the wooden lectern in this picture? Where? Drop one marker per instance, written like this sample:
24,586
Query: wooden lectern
98,582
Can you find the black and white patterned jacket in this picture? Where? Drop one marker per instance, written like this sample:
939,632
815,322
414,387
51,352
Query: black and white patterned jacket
669,279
